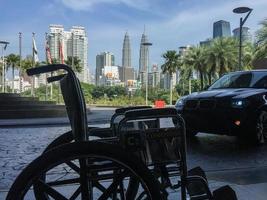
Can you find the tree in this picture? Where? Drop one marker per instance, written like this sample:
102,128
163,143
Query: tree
195,60
261,41
170,66
76,63
222,55
12,60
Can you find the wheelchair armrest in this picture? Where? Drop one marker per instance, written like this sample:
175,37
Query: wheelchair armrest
123,110
152,112
55,78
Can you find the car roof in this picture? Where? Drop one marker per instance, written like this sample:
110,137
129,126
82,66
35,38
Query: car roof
252,71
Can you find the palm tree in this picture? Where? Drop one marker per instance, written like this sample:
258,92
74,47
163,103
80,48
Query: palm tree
248,55
195,60
76,63
261,41
12,60
170,66
222,56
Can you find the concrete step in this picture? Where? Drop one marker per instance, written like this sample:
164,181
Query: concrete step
31,107
26,102
19,98
33,113
9,95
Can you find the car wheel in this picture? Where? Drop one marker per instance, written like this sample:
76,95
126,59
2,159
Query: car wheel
261,128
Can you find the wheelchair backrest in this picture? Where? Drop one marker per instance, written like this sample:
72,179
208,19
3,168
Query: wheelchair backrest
156,135
75,105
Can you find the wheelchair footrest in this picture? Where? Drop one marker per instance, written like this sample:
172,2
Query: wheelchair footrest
196,187
224,193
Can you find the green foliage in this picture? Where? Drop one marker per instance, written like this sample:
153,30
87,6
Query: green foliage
261,41
109,91
76,63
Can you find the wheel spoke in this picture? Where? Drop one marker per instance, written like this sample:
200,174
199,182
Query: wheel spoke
99,186
64,182
76,193
73,166
117,179
50,191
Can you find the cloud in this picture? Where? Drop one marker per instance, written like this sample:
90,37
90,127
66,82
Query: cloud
85,5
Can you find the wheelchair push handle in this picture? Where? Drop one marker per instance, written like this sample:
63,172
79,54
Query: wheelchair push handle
55,78
48,68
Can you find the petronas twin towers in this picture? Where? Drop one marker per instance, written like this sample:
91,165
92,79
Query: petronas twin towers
143,56
126,51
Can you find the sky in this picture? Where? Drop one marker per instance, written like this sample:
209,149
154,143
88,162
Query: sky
169,23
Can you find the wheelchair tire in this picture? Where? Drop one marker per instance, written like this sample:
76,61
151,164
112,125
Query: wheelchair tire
83,150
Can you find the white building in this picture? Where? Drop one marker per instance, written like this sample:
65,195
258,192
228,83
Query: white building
73,43
103,59
110,76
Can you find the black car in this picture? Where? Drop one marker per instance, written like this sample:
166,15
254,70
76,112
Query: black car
236,104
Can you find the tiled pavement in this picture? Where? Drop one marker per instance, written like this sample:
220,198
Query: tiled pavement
225,162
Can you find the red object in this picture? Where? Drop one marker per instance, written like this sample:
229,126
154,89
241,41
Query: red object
48,53
160,104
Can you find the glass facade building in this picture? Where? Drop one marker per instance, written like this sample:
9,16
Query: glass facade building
221,29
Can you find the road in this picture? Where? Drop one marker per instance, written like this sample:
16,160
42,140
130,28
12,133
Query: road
220,156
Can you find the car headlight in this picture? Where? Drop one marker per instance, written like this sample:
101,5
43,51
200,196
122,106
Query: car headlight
239,103
180,102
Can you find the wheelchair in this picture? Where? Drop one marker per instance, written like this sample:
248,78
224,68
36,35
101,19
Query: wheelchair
140,156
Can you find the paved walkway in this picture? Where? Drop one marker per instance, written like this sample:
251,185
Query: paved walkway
245,169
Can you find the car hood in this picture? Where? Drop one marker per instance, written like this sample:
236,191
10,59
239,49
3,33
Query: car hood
223,93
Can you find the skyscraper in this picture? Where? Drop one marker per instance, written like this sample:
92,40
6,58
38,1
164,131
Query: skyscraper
246,35
64,44
143,59
126,51
103,59
221,29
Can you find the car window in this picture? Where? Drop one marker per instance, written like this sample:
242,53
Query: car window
261,82
233,81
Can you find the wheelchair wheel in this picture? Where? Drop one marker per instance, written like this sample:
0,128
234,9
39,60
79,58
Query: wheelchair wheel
66,138
85,170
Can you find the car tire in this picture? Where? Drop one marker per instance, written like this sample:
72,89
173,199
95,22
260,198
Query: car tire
256,133
261,128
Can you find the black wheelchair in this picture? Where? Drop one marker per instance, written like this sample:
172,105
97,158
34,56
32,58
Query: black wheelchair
140,156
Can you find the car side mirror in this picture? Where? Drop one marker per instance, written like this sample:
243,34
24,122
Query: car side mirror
206,87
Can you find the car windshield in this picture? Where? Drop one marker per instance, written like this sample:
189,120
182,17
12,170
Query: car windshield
242,80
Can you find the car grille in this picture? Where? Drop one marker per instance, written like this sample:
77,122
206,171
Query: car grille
207,104
200,104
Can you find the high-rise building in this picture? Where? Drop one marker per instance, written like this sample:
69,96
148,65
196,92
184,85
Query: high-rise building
126,51
64,44
221,29
103,59
205,43
154,76
143,59
246,35
126,70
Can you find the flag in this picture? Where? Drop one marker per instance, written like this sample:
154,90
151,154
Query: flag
34,50
48,53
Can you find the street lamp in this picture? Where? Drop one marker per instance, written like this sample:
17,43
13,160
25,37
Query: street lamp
4,43
147,44
241,10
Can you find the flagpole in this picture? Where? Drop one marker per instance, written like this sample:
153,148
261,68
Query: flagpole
46,62
33,77
20,67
